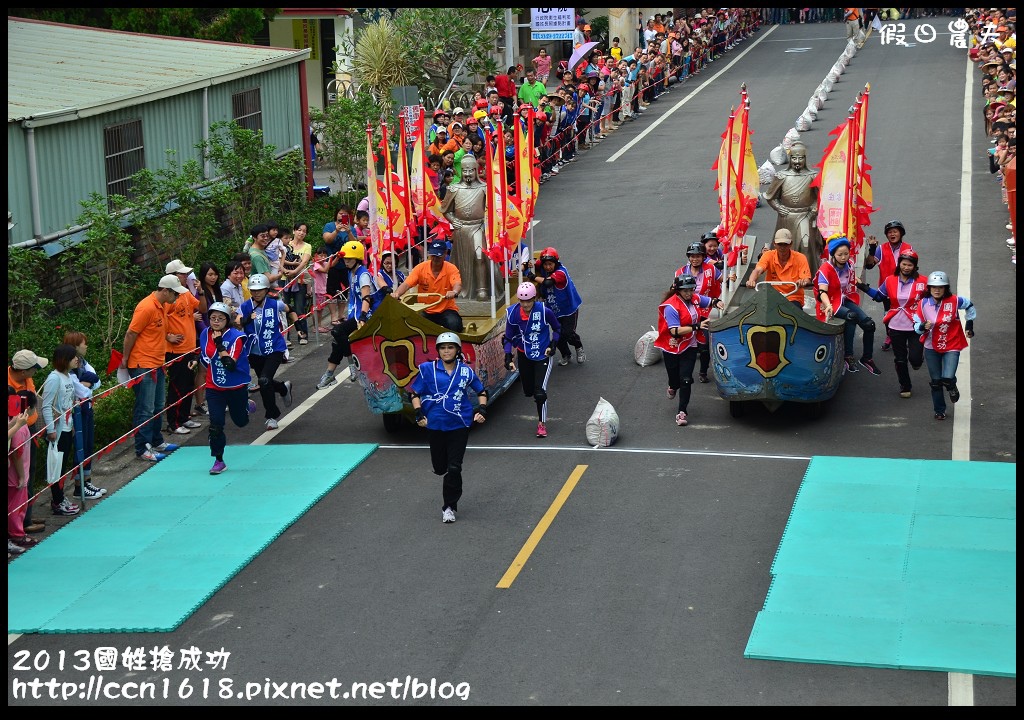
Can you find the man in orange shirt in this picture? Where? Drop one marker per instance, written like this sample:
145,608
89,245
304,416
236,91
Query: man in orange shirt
145,350
23,366
181,353
438,276
784,265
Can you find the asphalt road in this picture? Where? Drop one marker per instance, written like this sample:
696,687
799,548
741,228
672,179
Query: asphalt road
644,587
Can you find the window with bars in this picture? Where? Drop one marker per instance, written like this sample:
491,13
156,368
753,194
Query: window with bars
247,109
124,155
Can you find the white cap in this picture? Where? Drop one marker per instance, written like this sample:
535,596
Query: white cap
177,266
171,282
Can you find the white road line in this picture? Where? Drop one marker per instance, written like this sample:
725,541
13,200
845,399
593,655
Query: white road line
962,416
304,407
639,451
960,686
689,97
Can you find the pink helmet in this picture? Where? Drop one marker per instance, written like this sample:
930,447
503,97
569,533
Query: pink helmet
526,291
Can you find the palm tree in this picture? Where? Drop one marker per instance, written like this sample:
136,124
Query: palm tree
380,62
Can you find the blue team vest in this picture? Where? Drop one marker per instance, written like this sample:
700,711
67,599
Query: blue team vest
355,300
265,332
562,302
221,376
445,400
535,333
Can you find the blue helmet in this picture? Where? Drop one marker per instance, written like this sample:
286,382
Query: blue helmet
837,242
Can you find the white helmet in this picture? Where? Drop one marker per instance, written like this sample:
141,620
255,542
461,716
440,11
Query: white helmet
938,278
448,338
259,281
221,308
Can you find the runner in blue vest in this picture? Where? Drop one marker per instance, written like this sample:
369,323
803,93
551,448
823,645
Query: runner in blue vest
559,292
532,329
225,353
262,318
440,397
360,292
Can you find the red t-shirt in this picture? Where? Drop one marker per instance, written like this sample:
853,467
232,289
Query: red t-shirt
505,86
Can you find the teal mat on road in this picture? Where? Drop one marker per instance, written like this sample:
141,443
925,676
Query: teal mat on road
133,562
907,564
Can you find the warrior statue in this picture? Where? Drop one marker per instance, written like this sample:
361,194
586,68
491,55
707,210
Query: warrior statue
792,197
465,207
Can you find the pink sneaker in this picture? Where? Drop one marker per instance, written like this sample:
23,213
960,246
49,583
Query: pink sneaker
670,393
681,418
541,430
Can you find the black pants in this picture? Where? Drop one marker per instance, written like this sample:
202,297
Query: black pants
568,335
266,367
534,375
234,401
680,374
181,382
906,345
295,298
446,318
340,346
447,448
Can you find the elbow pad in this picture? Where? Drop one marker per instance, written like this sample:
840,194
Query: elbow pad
228,363
548,283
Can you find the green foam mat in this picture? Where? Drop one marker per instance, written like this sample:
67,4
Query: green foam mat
141,541
907,564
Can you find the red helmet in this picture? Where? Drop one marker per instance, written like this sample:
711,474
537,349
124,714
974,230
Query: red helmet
495,110
908,255
549,253
481,104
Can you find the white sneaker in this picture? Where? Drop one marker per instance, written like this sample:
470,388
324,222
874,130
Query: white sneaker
326,380
164,447
271,424
14,549
581,357
448,516
287,393
192,424
181,430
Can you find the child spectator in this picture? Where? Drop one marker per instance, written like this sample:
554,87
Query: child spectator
321,264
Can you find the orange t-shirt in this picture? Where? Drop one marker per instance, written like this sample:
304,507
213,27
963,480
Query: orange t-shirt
29,384
149,322
423,277
181,322
796,269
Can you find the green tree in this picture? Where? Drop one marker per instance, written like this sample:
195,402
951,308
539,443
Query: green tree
103,269
436,40
254,184
380,62
30,322
342,127
240,25
176,207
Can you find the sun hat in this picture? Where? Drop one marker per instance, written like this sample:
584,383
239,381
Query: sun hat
171,282
177,266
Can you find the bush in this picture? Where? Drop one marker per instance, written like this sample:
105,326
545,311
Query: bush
113,414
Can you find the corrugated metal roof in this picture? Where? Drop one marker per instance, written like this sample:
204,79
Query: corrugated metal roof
54,68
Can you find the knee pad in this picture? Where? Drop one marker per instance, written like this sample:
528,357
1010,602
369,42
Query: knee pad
216,431
686,381
540,397
935,384
868,324
949,382
900,363
337,334
264,381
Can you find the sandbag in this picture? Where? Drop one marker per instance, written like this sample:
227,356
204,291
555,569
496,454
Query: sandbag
644,351
603,425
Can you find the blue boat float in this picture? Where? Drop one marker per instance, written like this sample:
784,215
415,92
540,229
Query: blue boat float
769,350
